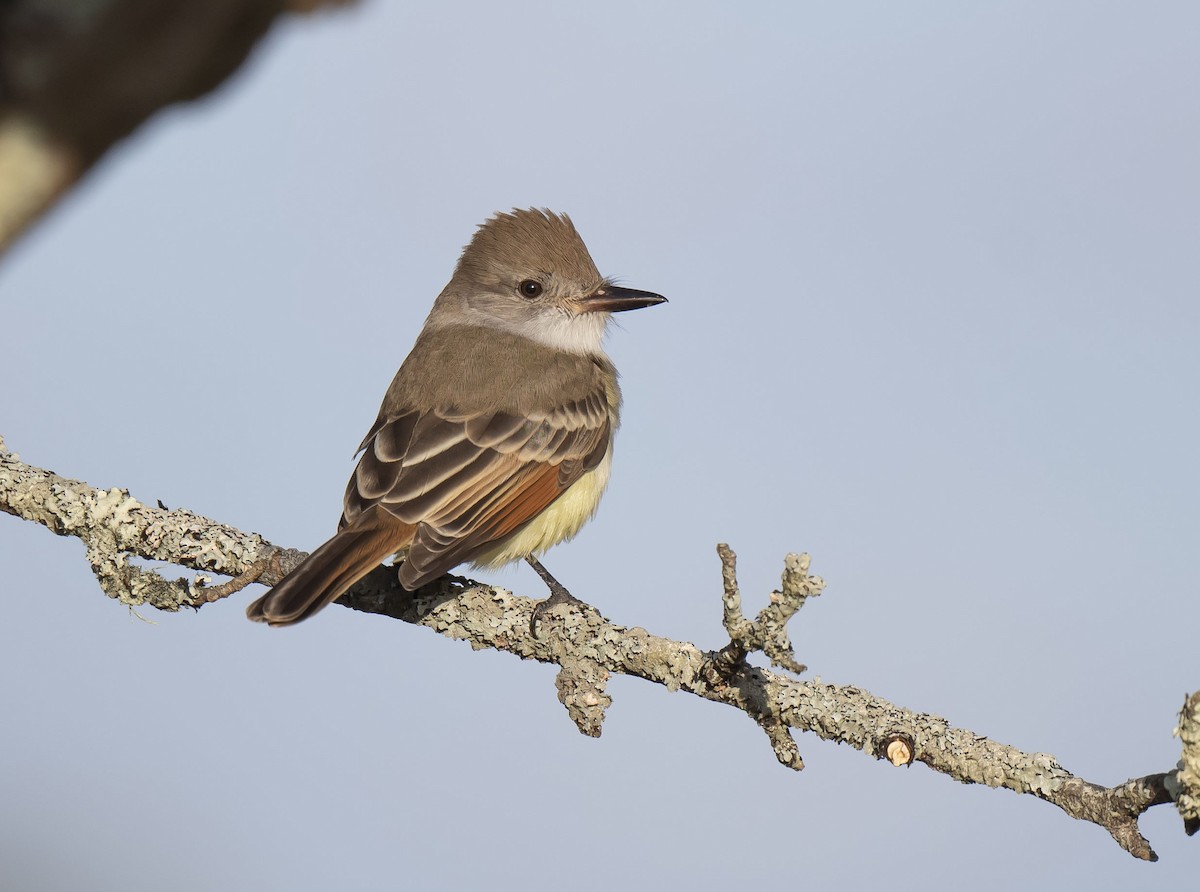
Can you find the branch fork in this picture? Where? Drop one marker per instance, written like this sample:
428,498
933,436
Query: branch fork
767,633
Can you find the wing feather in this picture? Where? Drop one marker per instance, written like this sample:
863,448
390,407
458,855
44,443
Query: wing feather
469,480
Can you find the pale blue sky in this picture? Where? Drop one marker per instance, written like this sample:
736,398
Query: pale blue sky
934,319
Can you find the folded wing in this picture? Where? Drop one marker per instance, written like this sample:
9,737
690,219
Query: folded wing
467,481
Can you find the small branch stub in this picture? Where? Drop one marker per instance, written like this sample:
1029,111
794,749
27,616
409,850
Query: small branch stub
898,749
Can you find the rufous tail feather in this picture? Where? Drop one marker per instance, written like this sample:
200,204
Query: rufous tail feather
328,572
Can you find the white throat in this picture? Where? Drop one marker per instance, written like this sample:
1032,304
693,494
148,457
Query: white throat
581,333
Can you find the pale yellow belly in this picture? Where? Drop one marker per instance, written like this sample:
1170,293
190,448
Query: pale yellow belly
559,522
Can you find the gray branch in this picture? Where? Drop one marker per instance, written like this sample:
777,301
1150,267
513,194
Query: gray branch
588,649
1184,783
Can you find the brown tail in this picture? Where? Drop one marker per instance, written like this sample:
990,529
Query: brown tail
329,571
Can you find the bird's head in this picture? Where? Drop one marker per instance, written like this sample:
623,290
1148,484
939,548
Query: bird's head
528,272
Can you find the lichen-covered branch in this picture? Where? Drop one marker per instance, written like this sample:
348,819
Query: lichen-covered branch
1185,784
115,526
588,648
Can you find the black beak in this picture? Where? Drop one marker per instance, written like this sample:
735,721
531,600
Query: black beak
613,299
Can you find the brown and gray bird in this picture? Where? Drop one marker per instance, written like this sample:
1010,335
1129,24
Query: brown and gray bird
494,441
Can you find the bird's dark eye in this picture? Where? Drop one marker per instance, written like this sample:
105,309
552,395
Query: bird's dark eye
530,288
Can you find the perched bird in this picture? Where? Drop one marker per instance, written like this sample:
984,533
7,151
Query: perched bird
494,441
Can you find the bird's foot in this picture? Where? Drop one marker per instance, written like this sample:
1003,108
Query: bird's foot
558,595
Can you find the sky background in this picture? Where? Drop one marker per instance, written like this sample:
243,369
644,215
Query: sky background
934,319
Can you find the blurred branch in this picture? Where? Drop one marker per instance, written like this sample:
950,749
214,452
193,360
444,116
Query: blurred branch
77,77
588,648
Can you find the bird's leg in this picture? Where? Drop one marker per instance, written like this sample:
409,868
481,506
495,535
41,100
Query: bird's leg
558,594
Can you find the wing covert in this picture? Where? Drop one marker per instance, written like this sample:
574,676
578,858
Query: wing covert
468,481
